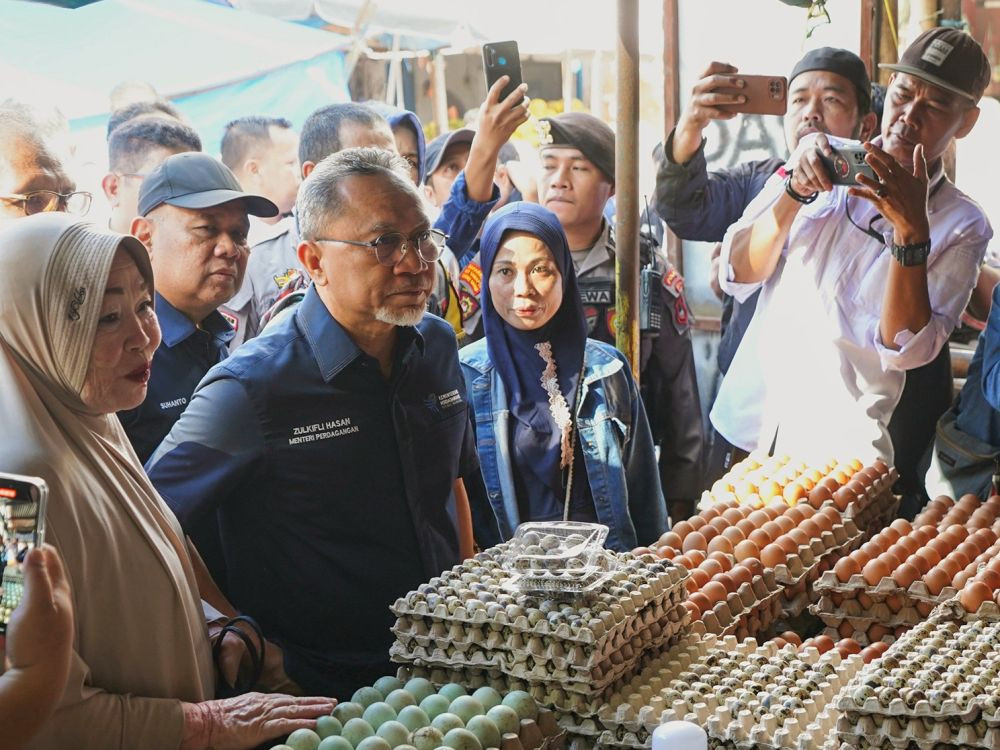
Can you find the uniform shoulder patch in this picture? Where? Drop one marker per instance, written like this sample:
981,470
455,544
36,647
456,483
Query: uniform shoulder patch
673,282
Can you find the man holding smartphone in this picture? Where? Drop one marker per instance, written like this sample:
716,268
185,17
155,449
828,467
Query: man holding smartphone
828,92
859,284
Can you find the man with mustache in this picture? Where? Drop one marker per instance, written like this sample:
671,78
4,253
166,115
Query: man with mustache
828,92
330,445
860,283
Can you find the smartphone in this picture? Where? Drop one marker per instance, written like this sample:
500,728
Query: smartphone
22,528
847,161
502,59
766,95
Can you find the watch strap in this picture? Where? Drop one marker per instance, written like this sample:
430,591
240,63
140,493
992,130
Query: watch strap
914,254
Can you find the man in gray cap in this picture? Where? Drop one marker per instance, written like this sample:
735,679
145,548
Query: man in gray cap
828,92
860,283
577,179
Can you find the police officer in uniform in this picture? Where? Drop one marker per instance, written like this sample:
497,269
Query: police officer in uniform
577,179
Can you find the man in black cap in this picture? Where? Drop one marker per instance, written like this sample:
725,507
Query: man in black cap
193,220
577,179
861,283
828,92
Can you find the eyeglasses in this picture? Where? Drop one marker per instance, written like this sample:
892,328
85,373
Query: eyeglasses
390,248
42,201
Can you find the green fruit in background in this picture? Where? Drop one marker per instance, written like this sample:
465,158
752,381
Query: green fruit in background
394,733
523,703
462,739
303,739
452,690
373,743
434,705
488,697
465,707
427,738
419,688
485,729
344,712
328,726
366,696
387,684
413,718
356,730
505,718
446,722
378,714
336,742
400,699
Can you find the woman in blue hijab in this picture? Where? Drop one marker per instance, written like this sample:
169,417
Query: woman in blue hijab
560,426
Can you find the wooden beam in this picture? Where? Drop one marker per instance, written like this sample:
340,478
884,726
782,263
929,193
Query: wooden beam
867,42
672,106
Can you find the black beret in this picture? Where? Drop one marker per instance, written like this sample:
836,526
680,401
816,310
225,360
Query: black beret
578,130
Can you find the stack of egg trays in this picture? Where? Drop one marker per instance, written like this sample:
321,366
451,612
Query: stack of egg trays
761,594
635,710
804,565
876,512
584,660
891,723
850,609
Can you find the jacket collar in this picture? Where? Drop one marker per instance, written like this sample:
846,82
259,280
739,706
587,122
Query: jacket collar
598,362
177,327
331,346
599,252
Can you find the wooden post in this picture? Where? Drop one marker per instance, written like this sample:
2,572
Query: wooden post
887,50
568,79
440,94
867,41
627,185
672,106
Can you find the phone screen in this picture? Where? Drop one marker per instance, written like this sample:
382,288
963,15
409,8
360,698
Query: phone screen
22,528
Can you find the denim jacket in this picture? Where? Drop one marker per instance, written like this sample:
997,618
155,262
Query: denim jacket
614,435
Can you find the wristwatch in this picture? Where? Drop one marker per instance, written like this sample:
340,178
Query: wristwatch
911,255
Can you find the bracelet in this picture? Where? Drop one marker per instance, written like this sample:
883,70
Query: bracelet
803,199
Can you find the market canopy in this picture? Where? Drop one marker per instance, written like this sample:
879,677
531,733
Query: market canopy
213,61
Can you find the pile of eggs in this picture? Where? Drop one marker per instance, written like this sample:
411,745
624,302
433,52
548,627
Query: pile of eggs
728,545
392,715
940,683
759,479
823,643
738,691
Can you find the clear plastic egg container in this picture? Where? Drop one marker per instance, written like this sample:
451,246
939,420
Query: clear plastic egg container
555,546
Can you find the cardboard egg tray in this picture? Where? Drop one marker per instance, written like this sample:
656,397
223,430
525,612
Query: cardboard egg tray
851,611
761,593
639,707
859,634
856,584
988,611
897,732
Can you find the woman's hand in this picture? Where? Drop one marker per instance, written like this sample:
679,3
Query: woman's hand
248,720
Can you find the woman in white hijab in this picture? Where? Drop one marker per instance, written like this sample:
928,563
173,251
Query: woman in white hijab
77,334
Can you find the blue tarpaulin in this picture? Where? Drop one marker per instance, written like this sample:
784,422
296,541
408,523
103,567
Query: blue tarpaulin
213,62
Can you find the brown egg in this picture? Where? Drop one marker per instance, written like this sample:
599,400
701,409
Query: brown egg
785,524
845,568
990,577
823,522
709,532
719,523
962,578
710,513
741,574
877,631
691,585
899,552
696,522
747,527
692,609
694,541
905,574
787,544
970,550
901,525
860,557
875,571
792,638
950,567
819,495
754,565
823,643
800,537
843,497
696,556
865,601
890,561
960,558
810,528
794,493
715,591
835,516
973,595
944,501
734,535
720,544
702,602
671,539
872,549
685,561
890,533
807,511
726,580
942,545
667,553
760,537
746,550
699,576
779,642
837,598
960,532
920,563
758,518
776,508
910,544
796,515
733,516
772,529
772,556
895,602
712,567
868,655
683,528
721,558
924,608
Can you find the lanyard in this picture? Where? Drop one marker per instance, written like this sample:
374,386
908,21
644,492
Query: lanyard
870,231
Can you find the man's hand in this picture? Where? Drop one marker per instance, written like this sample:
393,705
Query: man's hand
497,122
704,107
899,195
809,174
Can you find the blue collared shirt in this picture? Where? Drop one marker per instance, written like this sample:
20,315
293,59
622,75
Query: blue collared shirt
185,355
332,483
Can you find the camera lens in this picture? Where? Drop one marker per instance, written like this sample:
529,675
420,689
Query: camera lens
503,61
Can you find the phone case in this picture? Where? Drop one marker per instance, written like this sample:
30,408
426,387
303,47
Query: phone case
500,59
766,95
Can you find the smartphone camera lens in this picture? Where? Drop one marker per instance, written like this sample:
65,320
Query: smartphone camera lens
502,60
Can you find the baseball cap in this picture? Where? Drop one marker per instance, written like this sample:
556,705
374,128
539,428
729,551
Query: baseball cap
197,180
948,58
436,148
591,136
842,62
